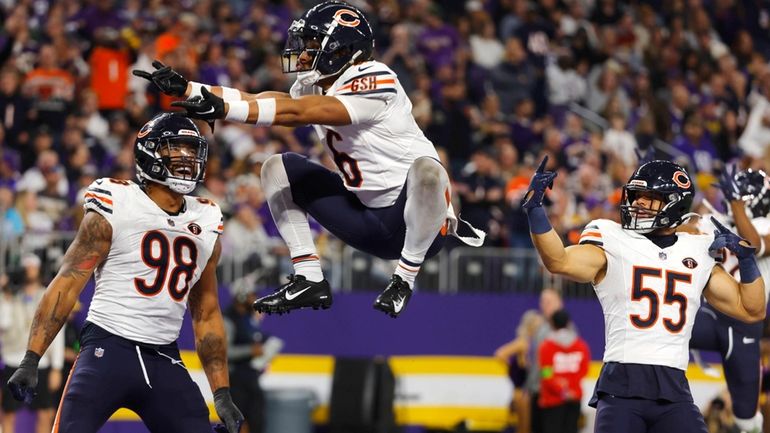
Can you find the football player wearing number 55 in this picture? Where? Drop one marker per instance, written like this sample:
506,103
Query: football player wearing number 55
391,197
649,280
153,250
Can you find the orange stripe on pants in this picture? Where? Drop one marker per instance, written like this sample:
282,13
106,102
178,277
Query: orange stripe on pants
63,394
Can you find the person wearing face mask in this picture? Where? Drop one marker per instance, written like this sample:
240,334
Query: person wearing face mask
392,199
649,279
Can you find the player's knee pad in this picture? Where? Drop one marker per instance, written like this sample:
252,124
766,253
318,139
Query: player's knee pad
274,172
427,173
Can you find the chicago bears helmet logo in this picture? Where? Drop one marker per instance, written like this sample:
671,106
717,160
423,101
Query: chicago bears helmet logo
354,22
689,263
194,228
681,179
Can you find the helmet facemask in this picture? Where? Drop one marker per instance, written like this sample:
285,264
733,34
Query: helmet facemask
646,220
180,162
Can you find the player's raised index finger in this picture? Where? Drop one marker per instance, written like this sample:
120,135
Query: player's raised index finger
718,225
541,167
157,64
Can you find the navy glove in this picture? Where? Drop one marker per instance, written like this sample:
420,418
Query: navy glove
207,107
227,411
728,185
24,380
541,181
168,80
645,157
724,238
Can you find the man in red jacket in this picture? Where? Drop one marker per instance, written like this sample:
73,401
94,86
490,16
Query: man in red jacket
564,358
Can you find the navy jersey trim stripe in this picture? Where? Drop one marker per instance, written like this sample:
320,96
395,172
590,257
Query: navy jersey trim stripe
96,203
100,191
371,74
597,243
369,92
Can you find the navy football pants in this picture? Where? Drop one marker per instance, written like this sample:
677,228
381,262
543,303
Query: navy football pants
738,344
634,415
108,375
322,194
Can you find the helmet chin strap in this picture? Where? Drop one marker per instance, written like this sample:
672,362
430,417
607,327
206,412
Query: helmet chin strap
310,78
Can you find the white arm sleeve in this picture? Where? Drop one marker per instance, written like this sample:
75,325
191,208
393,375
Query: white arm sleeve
363,110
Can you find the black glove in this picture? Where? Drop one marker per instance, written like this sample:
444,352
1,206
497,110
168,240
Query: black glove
541,181
227,411
724,238
208,106
24,380
728,185
168,80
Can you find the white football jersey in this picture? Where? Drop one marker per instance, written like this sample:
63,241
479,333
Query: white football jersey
375,152
762,224
154,261
649,295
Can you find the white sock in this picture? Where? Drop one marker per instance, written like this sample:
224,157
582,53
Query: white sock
308,266
751,425
290,219
425,212
407,271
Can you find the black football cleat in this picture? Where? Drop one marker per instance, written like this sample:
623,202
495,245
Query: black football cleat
395,297
297,293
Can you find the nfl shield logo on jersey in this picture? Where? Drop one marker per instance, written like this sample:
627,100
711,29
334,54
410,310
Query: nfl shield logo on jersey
99,352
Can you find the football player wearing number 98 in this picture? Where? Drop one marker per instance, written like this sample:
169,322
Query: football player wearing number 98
153,250
392,199
649,280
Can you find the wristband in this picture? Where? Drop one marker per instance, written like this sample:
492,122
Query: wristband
195,89
229,94
749,269
538,221
266,111
237,111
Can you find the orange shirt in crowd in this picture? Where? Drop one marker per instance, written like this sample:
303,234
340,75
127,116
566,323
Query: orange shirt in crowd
109,77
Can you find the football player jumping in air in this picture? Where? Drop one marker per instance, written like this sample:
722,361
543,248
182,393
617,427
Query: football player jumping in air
649,280
748,196
153,250
393,199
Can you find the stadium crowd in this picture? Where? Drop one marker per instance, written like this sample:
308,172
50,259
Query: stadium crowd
493,85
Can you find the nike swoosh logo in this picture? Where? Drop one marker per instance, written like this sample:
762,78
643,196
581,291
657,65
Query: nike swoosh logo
290,296
398,304
99,181
363,68
211,110
747,340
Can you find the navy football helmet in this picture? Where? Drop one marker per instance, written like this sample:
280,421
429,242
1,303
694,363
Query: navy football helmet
753,186
335,34
170,150
665,181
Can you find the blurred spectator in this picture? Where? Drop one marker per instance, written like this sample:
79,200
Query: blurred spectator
618,142
14,109
696,143
481,193
109,70
518,354
439,42
11,224
719,415
249,351
550,302
563,358
17,309
51,88
46,170
514,78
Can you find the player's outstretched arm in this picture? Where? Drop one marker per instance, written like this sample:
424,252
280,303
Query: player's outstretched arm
87,251
581,263
305,110
211,342
744,300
